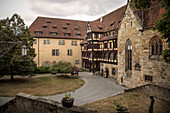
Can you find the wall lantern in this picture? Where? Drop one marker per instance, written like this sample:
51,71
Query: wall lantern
24,50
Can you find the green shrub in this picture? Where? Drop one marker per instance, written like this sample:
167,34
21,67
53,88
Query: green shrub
42,69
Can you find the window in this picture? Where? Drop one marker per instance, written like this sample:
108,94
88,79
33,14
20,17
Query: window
113,71
105,34
53,33
54,27
76,28
128,55
148,78
55,52
156,46
44,42
77,62
48,22
111,33
38,32
67,34
61,42
78,35
110,44
64,27
74,43
35,42
48,42
44,26
69,52
68,23
105,45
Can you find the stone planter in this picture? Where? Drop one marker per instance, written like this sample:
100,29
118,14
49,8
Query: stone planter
67,103
122,111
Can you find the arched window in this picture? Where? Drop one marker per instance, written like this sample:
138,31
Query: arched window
156,46
128,55
113,71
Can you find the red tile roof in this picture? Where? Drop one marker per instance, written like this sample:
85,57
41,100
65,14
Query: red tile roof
152,14
38,24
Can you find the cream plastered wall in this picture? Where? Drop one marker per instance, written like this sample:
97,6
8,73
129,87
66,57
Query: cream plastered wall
45,51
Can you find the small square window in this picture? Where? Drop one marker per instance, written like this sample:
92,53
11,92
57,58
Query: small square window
44,42
77,62
48,42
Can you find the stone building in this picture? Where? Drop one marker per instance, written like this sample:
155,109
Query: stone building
140,48
120,44
57,40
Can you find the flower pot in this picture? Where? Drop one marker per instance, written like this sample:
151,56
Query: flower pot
67,103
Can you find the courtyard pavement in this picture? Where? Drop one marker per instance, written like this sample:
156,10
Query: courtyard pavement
95,88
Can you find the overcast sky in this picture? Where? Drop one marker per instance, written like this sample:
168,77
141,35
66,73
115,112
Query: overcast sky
87,10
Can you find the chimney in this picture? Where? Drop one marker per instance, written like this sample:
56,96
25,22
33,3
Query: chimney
101,19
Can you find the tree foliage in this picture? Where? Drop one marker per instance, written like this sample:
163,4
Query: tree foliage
13,63
62,67
162,25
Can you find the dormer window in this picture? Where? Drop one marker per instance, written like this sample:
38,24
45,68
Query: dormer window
68,23
48,21
111,33
54,27
44,26
53,33
67,34
64,27
38,32
100,27
78,35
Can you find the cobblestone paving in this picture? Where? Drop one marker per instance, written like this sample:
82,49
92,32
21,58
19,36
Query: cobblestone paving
95,88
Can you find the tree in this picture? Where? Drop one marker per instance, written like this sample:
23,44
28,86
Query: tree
62,67
162,25
13,63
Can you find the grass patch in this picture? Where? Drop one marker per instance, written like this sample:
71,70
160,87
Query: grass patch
136,103
41,86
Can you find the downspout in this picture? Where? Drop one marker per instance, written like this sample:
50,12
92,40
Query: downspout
38,54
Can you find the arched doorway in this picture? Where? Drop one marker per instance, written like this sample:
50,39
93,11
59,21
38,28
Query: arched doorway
107,72
102,73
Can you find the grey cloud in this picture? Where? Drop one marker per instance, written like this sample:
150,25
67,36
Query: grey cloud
66,8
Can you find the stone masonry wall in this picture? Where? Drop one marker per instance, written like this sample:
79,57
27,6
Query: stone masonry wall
154,90
110,67
158,69
31,104
25,103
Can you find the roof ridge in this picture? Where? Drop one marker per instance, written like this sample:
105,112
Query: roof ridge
61,19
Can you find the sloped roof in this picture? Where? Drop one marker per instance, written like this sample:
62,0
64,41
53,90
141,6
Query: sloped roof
152,14
61,26
111,21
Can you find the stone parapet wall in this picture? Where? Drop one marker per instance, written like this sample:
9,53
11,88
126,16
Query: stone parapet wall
24,103
159,92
